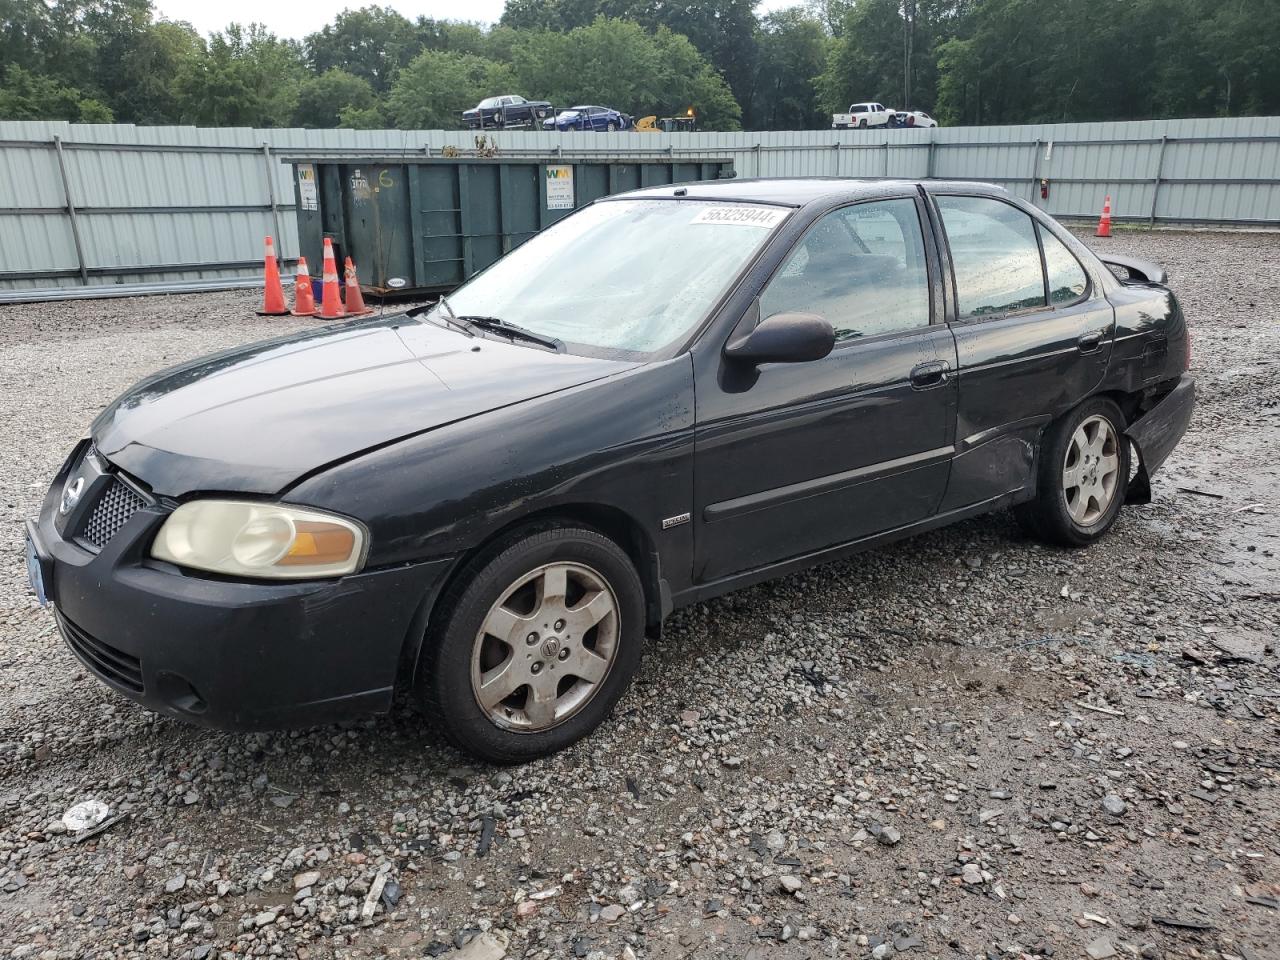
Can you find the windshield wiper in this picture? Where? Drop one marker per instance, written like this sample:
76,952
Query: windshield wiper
446,314
512,330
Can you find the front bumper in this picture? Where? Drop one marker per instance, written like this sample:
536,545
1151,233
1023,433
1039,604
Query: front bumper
229,654
1157,432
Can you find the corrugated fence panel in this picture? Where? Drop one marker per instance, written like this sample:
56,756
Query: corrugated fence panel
186,203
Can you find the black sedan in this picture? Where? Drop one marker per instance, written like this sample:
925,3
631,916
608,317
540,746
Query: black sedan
495,501
509,110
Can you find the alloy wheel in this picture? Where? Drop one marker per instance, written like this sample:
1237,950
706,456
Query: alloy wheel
545,647
1091,470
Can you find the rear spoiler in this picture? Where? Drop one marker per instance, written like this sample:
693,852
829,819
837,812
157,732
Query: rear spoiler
1141,270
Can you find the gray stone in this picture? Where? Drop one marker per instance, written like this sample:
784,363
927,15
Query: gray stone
308,879
1114,805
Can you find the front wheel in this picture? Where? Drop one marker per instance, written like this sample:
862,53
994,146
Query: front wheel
1083,476
536,641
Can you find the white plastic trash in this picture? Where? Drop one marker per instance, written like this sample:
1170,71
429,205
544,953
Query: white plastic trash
85,815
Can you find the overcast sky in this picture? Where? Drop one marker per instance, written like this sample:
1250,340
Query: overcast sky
297,18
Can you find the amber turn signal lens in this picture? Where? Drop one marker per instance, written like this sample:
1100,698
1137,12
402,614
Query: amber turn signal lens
318,542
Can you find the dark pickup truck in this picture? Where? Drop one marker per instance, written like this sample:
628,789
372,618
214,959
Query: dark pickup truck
506,111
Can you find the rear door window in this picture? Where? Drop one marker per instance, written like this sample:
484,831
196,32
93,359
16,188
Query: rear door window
994,254
861,267
1067,279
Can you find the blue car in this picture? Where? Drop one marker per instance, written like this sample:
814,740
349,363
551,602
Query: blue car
588,118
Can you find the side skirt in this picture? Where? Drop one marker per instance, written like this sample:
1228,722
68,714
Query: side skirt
773,571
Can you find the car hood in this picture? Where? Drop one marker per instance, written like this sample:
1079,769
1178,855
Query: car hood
257,418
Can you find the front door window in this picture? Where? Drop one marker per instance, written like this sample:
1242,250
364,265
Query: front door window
861,267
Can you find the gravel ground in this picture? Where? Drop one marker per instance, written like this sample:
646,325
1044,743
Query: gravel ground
965,745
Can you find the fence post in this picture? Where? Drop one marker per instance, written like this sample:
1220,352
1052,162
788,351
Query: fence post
886,156
1155,186
271,196
757,172
928,166
71,211
1035,173
836,147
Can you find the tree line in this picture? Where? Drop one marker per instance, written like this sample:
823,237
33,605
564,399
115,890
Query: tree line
965,61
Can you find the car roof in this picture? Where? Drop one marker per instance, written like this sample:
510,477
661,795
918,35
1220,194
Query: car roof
802,191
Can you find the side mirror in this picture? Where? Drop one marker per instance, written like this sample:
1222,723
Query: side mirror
784,338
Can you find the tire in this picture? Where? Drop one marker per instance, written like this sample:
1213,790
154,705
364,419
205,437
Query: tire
1088,444
862,124
611,126
495,629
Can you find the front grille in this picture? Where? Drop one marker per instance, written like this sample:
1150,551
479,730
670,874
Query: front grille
106,661
118,503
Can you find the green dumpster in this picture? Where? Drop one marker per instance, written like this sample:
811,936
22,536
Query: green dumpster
426,225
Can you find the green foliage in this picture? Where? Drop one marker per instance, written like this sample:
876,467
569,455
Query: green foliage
1018,61
967,61
619,62
26,96
247,77
322,99
438,85
362,118
721,30
793,53
373,43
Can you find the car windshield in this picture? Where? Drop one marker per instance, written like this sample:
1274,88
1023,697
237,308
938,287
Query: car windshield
621,277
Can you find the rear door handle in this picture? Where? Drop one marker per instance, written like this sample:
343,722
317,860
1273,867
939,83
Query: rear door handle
931,374
1090,342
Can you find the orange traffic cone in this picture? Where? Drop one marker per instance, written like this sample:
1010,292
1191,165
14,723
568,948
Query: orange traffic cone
304,300
1104,224
273,298
355,300
330,301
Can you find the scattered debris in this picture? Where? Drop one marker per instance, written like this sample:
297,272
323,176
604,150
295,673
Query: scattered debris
1096,709
103,827
85,815
487,827
1181,924
1201,493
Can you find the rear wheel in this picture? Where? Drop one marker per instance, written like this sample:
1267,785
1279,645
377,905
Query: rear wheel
1083,476
862,124
537,641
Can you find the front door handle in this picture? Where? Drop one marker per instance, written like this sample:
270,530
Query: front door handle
931,374
1091,342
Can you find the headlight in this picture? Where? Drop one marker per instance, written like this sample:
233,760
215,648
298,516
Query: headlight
243,538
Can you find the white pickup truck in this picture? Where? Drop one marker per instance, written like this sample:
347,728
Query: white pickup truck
862,115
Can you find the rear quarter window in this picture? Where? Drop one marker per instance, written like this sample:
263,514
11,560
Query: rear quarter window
994,254
1067,279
